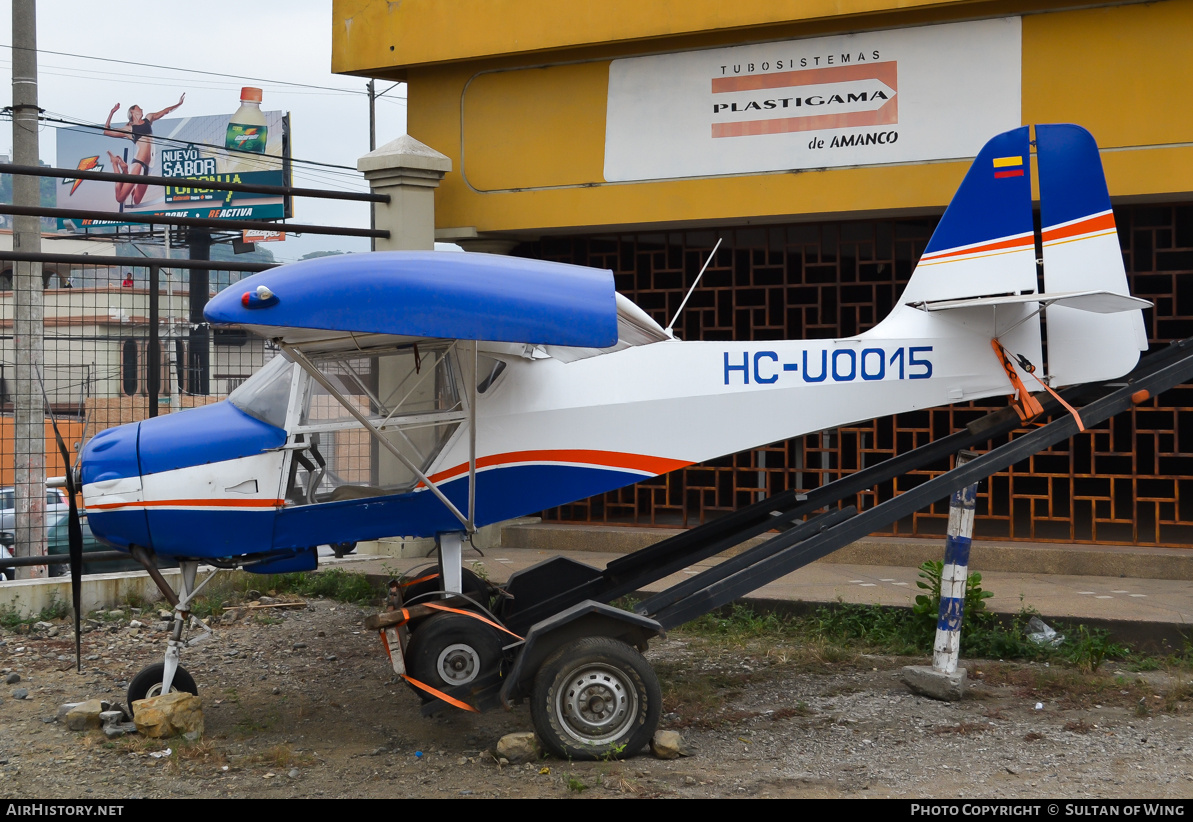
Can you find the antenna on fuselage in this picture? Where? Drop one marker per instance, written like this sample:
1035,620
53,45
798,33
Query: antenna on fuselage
693,288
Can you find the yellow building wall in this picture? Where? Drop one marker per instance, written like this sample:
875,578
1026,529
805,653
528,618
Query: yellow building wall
525,131
372,35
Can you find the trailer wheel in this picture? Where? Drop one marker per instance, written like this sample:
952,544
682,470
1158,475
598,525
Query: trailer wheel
450,650
595,698
473,586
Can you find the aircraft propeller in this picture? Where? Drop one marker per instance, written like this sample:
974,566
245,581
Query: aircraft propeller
74,531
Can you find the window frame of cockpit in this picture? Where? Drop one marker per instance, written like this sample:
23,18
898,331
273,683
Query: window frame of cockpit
447,366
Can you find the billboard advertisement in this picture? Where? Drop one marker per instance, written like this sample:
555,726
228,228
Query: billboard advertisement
898,96
243,146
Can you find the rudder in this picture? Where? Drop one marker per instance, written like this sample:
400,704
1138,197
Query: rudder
1081,253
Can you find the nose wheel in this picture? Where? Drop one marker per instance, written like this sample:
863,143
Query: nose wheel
169,676
148,683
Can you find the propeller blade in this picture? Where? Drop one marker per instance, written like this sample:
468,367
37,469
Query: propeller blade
74,532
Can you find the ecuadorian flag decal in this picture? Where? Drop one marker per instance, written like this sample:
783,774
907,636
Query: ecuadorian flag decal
1008,167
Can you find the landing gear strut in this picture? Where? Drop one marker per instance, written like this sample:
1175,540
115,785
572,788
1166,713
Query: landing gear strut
167,676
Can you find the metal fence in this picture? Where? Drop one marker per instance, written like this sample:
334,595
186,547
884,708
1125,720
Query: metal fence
1129,481
123,333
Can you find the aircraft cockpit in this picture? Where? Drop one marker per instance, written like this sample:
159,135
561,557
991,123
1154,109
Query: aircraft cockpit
363,424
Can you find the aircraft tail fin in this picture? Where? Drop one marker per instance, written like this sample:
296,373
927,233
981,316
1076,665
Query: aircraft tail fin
984,244
980,263
1081,252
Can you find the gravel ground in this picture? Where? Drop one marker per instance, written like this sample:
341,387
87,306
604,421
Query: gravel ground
303,703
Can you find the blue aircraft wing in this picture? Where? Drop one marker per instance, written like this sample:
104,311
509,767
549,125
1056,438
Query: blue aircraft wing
426,294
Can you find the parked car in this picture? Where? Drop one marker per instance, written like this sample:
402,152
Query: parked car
56,506
58,543
7,538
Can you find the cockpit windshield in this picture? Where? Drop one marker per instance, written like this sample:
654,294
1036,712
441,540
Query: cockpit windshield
266,394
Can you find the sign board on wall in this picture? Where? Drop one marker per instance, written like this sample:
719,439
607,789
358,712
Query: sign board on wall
191,149
904,95
249,235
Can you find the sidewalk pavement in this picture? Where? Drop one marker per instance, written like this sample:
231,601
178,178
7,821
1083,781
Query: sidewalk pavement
1140,595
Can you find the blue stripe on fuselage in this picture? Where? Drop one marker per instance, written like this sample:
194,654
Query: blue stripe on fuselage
199,436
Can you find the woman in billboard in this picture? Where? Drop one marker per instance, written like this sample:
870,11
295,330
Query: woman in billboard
139,129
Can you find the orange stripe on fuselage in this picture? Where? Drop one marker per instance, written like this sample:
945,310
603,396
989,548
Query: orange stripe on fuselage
188,503
1011,244
1090,225
603,459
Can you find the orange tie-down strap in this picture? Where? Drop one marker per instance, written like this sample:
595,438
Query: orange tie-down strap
450,700
1027,405
410,582
437,607
422,686
1057,397
398,618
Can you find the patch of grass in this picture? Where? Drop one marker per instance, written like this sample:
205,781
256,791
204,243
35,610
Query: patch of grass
250,725
11,619
690,695
1176,697
870,628
203,751
1087,649
334,583
282,756
741,622
574,783
800,709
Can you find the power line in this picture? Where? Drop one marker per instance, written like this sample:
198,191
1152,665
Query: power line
167,82
64,121
187,70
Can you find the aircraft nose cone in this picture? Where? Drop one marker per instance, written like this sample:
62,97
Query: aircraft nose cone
110,476
110,455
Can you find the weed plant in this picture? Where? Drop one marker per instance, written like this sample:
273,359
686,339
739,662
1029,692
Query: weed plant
911,632
334,583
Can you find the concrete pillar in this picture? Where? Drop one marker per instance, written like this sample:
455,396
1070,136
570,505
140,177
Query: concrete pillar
409,172
29,412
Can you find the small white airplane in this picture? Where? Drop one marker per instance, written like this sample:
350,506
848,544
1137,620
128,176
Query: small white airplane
429,394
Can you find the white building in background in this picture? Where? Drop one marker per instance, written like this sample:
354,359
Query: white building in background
97,334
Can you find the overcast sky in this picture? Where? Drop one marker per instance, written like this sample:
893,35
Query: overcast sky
267,43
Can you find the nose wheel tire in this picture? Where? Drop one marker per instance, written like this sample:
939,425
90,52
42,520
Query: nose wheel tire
594,698
148,683
453,650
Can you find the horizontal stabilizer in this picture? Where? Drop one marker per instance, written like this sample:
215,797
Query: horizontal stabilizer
1097,302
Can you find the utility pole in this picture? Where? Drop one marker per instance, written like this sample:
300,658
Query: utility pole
372,145
29,435
199,354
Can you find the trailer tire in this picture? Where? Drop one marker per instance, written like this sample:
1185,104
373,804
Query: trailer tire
453,650
473,586
595,698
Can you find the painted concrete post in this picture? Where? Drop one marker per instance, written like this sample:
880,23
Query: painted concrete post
409,172
954,575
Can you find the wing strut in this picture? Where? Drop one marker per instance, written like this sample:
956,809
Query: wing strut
467,521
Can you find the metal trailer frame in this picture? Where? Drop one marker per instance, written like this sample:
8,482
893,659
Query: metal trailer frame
561,604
